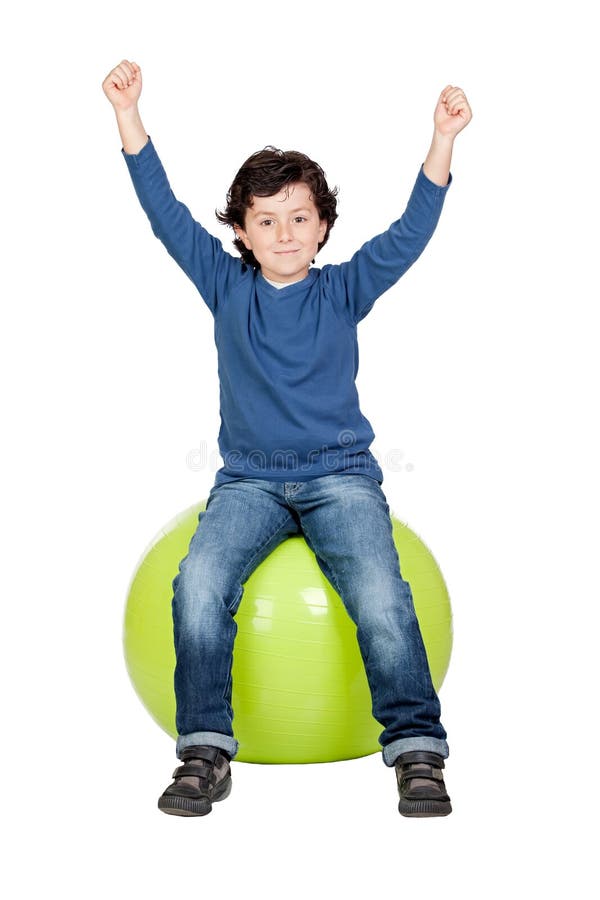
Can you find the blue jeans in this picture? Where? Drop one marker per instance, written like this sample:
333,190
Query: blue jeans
346,521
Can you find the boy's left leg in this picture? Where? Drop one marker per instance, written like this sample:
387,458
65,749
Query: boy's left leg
346,521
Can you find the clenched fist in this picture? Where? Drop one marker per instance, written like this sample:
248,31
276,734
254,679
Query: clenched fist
452,112
123,85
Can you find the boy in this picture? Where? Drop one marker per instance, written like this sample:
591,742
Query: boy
294,442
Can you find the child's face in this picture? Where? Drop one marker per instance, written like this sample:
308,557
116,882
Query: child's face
284,232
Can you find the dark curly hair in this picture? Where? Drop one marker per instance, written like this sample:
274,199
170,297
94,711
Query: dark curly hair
268,172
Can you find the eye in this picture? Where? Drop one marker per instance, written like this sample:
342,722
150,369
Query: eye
267,222
300,219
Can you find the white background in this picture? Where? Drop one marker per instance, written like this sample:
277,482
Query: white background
478,371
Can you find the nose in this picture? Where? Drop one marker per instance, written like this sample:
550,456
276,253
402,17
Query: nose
284,232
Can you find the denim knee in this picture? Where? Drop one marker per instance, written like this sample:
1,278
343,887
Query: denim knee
202,595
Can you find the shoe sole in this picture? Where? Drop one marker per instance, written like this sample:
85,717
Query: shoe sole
174,805
421,809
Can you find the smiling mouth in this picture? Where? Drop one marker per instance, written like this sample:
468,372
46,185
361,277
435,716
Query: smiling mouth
285,252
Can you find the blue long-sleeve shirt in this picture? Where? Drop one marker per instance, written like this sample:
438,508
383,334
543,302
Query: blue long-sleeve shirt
287,358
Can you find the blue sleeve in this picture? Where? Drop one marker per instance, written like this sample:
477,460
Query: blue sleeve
198,253
355,285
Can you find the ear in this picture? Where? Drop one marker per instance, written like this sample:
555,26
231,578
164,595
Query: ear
322,229
242,236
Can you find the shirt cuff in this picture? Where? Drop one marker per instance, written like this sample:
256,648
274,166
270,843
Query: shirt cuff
428,181
139,157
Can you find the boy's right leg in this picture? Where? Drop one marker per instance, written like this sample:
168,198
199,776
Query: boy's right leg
243,522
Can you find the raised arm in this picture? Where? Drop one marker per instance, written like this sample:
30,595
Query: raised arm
385,258
198,253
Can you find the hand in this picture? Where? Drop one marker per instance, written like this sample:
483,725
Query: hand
123,85
452,112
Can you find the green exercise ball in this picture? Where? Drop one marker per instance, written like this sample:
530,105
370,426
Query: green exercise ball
300,692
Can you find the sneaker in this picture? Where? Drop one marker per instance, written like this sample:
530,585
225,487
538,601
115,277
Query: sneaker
421,785
204,778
